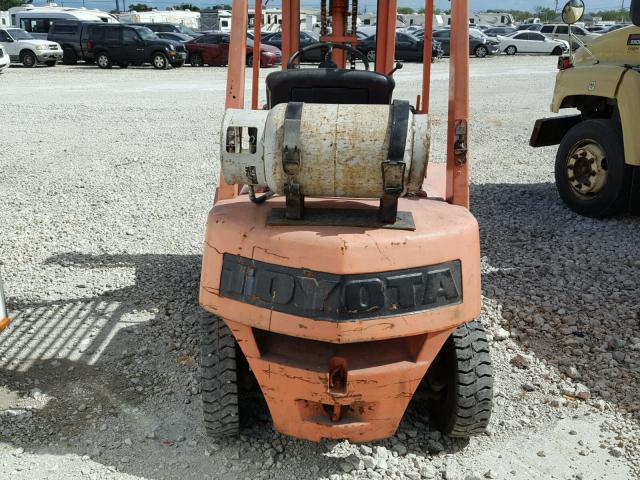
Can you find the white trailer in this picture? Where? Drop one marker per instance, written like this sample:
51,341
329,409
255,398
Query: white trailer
38,20
178,17
5,19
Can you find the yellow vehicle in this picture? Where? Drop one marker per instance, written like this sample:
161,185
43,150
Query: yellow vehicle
598,162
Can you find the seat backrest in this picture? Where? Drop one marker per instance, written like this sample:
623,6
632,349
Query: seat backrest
329,85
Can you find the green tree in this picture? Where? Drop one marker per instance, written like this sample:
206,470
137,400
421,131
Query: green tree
545,14
186,6
7,4
421,11
140,7
406,10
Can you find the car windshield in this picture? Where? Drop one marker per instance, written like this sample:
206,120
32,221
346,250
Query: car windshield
476,33
186,30
19,34
146,33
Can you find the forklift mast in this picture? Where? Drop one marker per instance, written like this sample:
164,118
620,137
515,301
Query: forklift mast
450,181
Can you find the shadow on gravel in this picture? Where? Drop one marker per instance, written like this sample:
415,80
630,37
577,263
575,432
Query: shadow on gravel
567,285
115,377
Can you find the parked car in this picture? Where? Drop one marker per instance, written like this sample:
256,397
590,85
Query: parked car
213,49
176,37
531,42
495,31
560,31
479,44
408,47
29,51
168,27
613,28
306,39
534,27
125,45
5,61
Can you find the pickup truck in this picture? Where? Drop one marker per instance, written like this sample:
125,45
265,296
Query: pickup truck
22,47
72,37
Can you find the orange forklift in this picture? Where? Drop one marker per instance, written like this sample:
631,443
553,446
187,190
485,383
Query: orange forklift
341,270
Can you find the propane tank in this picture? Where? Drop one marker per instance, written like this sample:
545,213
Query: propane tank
341,149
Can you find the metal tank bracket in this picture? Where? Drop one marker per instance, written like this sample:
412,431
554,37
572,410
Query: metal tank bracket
393,169
291,160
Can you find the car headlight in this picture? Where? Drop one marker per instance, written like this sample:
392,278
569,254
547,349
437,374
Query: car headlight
171,47
42,47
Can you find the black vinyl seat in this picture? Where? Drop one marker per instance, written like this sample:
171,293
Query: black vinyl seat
329,85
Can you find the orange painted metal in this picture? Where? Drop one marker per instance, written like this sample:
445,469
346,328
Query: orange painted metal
257,34
4,323
381,382
339,29
427,55
235,78
458,165
386,36
290,29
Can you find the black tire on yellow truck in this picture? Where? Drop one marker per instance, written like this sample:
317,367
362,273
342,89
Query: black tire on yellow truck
591,175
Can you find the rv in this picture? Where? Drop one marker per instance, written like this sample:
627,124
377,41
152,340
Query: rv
178,17
37,20
5,19
499,19
215,19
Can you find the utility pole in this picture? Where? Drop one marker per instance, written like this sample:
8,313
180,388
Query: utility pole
557,1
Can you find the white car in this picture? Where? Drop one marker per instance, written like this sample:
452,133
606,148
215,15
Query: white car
560,31
29,51
4,59
531,42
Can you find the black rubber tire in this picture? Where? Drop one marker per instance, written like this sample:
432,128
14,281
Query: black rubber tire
614,196
481,51
219,363
557,51
195,60
250,61
69,56
51,63
103,60
511,50
159,61
371,56
465,407
28,59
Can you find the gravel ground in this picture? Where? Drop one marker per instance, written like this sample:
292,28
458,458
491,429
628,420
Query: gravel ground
106,180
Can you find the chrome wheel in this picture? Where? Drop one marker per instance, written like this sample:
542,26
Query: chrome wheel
103,61
587,168
481,52
511,50
371,56
159,62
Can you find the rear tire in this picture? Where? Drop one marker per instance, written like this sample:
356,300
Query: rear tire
511,50
481,51
371,56
69,56
219,357
461,380
195,60
159,61
103,61
28,59
589,185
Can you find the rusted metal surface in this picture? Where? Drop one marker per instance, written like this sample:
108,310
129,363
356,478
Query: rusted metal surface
257,34
427,56
341,150
458,164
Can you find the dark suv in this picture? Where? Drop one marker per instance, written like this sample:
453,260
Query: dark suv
124,45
